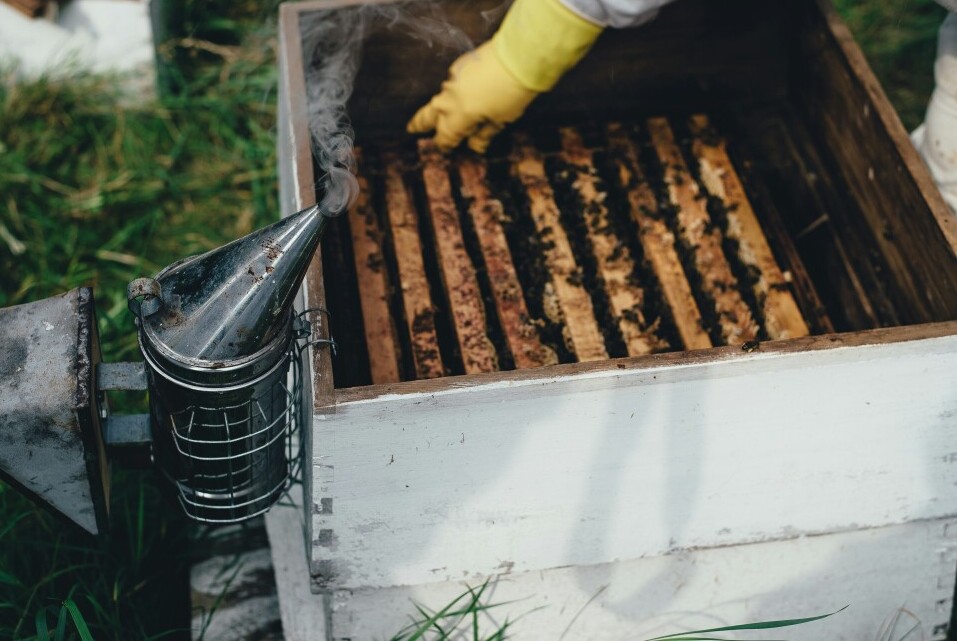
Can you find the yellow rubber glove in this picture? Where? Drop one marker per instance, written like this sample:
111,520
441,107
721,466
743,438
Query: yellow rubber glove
539,40
479,98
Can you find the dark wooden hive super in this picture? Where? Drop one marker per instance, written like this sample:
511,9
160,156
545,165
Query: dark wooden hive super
848,231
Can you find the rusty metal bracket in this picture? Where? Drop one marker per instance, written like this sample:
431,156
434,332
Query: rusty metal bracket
129,440
128,437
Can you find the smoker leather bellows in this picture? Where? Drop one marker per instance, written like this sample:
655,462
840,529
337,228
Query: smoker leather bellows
219,338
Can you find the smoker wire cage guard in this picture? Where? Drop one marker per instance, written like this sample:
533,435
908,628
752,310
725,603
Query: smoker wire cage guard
231,461
230,451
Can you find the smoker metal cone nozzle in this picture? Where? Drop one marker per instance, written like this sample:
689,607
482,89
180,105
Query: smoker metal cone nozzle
227,305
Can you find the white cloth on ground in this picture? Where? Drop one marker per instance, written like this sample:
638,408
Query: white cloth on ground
936,139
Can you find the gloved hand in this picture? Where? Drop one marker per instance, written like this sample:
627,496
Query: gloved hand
479,98
539,40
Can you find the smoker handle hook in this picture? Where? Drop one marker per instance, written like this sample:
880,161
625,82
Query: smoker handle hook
331,342
144,296
305,330
321,310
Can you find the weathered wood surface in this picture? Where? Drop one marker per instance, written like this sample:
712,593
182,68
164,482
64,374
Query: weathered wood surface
521,334
657,241
903,572
702,43
779,310
616,269
297,188
874,570
912,227
367,239
455,266
811,217
567,300
233,588
702,239
433,476
303,613
416,299
714,356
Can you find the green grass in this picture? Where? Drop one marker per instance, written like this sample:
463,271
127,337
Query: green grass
96,193
899,38
462,618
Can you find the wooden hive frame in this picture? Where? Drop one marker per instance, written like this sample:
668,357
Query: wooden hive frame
528,471
595,290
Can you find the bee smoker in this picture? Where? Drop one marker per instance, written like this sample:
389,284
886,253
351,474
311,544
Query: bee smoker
219,339
221,344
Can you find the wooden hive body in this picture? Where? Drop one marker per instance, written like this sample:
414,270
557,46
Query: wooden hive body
630,489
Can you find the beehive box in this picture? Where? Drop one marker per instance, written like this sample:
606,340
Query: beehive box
680,350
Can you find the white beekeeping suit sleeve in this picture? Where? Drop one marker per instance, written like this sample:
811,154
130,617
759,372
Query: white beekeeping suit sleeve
936,139
616,13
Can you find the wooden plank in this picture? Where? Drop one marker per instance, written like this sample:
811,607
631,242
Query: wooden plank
232,590
455,266
915,235
702,239
416,298
896,578
675,457
297,183
781,316
303,613
571,303
373,288
521,334
657,241
874,338
297,191
801,204
616,269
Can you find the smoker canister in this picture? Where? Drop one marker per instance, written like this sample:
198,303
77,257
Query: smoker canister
217,333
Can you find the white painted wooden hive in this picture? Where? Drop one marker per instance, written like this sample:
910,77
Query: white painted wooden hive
754,422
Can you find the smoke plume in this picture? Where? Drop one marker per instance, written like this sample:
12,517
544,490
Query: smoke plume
332,44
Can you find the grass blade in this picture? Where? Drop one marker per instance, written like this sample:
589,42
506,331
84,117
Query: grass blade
43,630
760,625
78,620
8,579
713,639
12,522
430,620
60,634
